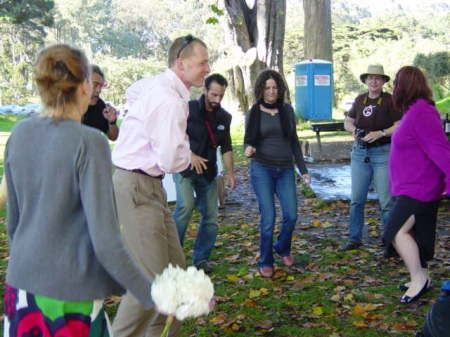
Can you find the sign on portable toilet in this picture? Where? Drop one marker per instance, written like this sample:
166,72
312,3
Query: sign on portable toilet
314,89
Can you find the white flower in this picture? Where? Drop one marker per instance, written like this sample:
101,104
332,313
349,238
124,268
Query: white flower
182,293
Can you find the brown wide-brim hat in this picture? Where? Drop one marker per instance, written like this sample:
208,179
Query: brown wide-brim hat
374,69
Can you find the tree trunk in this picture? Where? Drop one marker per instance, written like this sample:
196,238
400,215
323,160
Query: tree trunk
317,29
256,27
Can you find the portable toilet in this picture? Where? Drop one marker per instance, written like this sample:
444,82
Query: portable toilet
314,89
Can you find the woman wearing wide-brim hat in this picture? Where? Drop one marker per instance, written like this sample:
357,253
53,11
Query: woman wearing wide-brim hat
372,120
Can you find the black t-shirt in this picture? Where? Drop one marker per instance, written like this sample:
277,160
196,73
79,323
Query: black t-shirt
374,114
94,117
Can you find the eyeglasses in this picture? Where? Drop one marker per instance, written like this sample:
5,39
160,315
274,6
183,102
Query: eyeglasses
187,40
375,78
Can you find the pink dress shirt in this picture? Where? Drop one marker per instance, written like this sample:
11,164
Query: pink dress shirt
153,134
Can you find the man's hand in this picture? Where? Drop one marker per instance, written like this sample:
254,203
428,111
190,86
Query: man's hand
230,180
249,151
198,163
110,113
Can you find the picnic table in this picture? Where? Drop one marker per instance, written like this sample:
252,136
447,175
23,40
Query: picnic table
326,127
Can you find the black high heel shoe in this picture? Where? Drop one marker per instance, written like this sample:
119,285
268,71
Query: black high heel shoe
409,299
405,287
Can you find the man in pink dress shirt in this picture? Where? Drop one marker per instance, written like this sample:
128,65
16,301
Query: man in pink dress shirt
152,142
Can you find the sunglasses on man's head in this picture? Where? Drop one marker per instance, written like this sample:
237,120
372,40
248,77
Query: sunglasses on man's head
187,40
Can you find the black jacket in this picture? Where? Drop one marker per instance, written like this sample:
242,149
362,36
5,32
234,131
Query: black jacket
94,117
200,142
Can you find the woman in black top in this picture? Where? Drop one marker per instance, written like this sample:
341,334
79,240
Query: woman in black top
272,143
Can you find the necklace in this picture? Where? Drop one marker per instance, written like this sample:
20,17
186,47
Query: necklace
271,112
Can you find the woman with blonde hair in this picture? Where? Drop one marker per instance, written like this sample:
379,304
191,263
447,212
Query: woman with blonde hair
66,251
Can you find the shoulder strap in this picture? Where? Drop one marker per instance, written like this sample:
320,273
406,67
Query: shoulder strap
378,100
194,107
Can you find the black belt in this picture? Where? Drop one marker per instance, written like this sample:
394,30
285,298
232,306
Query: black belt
376,143
161,176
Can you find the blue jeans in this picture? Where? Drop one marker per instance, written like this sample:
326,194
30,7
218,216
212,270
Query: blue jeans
267,182
367,164
206,200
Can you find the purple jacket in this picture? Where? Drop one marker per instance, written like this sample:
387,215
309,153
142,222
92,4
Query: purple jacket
419,162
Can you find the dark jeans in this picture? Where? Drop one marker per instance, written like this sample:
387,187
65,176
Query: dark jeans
268,182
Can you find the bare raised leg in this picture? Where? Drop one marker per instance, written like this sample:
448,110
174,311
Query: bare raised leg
407,248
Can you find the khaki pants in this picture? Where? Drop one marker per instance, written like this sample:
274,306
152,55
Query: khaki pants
151,236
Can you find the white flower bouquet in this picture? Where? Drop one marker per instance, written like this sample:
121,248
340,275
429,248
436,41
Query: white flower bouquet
182,293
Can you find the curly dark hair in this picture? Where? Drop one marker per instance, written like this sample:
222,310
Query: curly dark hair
260,83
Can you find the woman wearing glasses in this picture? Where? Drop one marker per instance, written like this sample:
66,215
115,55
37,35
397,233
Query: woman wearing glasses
371,120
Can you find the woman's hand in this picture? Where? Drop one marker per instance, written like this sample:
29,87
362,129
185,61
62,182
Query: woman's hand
306,179
249,151
372,136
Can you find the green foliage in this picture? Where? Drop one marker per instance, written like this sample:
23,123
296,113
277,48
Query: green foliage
7,122
360,37
444,105
435,64
21,12
212,21
121,73
131,38
216,10
437,67
22,31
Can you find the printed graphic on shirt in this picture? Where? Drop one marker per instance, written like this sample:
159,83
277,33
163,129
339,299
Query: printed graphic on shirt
368,110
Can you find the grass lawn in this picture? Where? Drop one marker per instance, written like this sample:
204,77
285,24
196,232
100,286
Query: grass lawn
331,294
8,121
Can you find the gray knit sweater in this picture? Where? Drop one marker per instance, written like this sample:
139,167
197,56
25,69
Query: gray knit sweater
64,234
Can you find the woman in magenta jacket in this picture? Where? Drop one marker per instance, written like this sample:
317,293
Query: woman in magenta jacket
419,166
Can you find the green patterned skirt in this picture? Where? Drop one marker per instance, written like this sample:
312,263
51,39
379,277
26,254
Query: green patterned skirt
28,315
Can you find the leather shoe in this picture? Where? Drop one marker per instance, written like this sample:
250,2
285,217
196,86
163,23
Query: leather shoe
351,245
409,299
266,272
288,261
205,266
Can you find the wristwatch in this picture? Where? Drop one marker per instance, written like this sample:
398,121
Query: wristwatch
383,133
